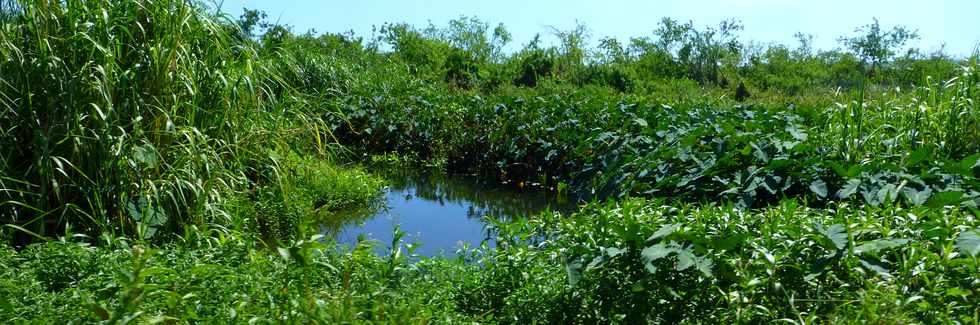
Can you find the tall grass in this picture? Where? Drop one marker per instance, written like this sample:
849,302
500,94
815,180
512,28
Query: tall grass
132,116
939,113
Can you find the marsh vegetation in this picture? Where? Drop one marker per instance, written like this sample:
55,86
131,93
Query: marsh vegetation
163,162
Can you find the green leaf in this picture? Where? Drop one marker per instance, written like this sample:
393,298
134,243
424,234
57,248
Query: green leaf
150,231
880,244
919,156
819,187
284,252
574,272
968,163
851,171
849,189
839,170
641,122
917,197
146,155
968,242
887,193
685,259
704,265
796,133
876,267
664,231
771,183
836,233
133,208
613,251
942,199
760,154
596,262
653,253
964,167
146,212
820,267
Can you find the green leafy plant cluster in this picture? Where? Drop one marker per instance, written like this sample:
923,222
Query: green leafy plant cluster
640,261
896,148
221,278
632,261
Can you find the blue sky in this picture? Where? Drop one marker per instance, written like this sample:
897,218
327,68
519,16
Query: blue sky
953,22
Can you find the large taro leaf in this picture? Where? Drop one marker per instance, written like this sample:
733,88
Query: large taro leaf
821,266
849,189
875,266
653,253
968,242
685,258
606,254
836,234
942,199
887,193
917,197
919,156
664,231
146,155
819,187
880,244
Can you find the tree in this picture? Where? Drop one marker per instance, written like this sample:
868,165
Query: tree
424,52
573,47
466,33
874,45
534,63
500,38
276,35
611,51
249,20
806,44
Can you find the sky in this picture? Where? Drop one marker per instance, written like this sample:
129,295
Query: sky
954,23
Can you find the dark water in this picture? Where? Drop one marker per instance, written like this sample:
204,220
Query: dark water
440,212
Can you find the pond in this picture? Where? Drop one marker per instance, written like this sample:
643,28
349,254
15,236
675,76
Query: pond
441,212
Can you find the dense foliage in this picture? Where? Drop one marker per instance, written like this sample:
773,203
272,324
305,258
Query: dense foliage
161,163
633,261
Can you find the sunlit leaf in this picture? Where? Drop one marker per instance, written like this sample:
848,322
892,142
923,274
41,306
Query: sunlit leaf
877,245
917,197
968,242
849,189
664,231
819,187
836,233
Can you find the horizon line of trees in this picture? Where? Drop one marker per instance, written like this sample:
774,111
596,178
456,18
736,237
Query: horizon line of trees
468,53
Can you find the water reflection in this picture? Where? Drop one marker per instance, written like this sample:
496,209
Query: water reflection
442,212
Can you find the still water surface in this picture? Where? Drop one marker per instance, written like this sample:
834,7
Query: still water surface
441,212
